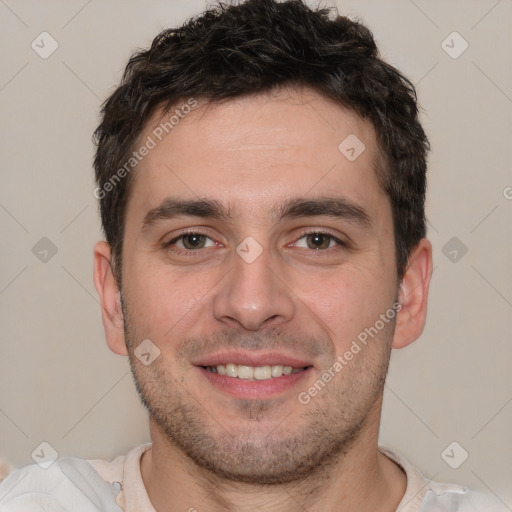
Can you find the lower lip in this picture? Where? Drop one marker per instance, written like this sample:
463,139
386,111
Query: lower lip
255,389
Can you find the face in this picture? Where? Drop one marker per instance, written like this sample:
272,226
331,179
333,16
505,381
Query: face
255,247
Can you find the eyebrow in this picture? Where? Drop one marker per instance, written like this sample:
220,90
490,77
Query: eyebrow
335,207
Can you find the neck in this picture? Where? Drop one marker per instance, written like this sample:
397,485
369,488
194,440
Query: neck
361,479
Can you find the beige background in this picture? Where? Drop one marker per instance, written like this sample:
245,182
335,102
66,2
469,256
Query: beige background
58,381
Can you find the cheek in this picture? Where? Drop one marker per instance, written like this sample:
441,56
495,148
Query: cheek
347,303
163,302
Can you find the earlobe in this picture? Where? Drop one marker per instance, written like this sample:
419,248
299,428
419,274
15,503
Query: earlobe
413,295
110,298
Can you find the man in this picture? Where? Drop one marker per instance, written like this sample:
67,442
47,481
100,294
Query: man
261,177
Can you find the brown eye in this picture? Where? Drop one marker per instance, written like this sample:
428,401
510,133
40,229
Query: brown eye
193,241
190,242
318,241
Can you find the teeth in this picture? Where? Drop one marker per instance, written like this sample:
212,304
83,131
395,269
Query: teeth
253,372
245,372
231,370
277,371
262,372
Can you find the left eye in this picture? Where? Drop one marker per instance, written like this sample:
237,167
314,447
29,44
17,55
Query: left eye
318,241
192,241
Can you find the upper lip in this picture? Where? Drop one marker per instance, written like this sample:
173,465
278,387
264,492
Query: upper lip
251,359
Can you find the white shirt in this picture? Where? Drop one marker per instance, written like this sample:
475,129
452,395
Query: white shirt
71,484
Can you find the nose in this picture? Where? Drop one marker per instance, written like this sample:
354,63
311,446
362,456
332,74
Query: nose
254,295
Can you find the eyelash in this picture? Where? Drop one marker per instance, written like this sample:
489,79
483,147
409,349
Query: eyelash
169,245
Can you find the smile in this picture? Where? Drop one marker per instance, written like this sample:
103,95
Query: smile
238,371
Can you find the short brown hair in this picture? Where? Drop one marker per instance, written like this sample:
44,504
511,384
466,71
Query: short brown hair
253,47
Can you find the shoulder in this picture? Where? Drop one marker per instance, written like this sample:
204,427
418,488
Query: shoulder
423,495
68,484
447,497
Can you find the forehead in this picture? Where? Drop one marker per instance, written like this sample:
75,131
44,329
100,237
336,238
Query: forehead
250,151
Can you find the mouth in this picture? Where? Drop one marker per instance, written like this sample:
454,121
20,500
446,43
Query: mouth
254,375
266,372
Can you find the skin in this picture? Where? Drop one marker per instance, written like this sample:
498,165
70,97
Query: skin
213,451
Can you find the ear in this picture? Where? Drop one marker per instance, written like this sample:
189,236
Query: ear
413,295
110,297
